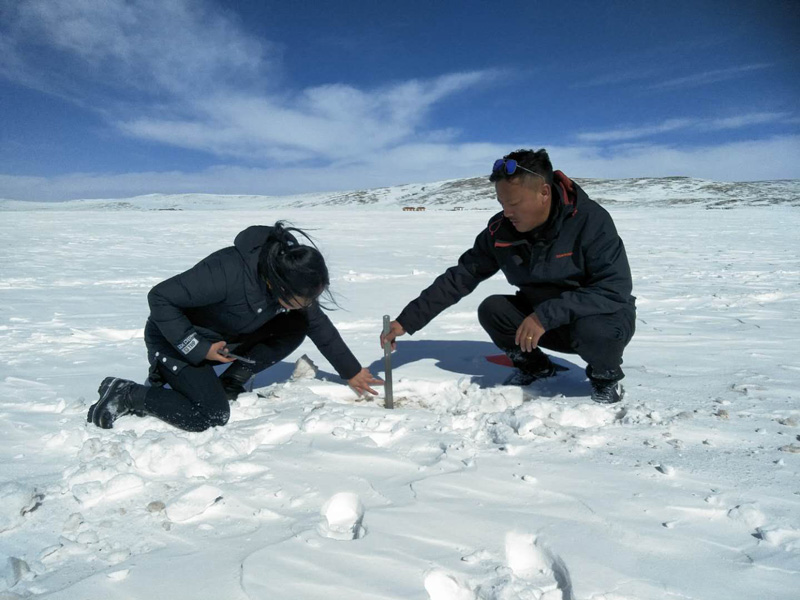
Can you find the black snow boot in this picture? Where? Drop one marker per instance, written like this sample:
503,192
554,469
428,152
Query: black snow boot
235,379
530,367
118,397
606,386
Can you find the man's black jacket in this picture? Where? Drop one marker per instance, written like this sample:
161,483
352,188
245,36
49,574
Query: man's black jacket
222,298
572,266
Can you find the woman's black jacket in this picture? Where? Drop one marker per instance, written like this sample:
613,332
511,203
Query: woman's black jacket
223,298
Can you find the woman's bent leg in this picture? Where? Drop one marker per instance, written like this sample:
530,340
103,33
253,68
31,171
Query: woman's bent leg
272,343
196,401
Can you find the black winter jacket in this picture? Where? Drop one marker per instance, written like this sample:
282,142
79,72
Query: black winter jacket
221,298
572,266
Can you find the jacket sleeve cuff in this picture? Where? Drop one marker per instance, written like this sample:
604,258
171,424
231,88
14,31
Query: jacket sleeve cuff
350,372
194,348
410,330
546,318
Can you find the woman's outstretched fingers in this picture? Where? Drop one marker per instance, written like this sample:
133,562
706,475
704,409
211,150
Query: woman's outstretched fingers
362,381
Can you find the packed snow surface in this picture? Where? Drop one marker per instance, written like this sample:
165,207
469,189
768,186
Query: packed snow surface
689,489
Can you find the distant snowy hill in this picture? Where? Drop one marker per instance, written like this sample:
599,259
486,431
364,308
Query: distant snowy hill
469,194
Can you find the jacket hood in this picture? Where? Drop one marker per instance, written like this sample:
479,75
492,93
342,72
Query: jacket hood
250,241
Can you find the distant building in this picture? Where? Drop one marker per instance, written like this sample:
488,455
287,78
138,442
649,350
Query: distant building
458,208
408,208
420,208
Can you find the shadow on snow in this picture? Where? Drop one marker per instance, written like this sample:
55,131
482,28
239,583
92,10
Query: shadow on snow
461,357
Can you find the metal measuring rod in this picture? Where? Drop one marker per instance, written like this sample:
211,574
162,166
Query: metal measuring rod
387,364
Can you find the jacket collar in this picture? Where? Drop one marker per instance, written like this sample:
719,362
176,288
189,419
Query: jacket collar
564,205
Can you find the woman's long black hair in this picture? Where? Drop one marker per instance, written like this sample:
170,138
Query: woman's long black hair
291,269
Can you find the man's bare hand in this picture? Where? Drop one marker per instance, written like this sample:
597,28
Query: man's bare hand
361,382
395,331
529,332
214,353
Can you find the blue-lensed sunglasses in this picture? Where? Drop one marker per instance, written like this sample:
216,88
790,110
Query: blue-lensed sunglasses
510,166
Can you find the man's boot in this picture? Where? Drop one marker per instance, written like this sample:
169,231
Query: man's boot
118,397
530,367
235,379
606,386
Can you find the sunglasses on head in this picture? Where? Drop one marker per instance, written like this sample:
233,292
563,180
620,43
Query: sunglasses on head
509,166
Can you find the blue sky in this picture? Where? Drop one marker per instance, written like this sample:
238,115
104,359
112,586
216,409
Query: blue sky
118,98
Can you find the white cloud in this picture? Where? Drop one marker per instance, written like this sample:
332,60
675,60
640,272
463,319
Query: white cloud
332,122
709,77
694,123
615,78
751,160
630,133
183,73
159,47
180,72
774,158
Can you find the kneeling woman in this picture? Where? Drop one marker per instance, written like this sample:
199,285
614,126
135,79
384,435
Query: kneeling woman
258,299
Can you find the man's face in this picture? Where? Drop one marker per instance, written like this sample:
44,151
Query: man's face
525,202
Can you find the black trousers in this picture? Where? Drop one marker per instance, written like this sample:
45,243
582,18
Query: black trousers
597,339
197,399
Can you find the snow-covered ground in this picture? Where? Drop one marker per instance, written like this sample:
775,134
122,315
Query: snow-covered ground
688,489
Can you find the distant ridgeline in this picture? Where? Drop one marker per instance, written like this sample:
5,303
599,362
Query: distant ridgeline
461,194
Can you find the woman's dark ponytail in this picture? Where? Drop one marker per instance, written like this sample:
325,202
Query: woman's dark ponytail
293,270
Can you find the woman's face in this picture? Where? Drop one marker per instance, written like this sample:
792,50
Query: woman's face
295,303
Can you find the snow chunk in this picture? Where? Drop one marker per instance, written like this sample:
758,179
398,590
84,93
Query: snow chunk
304,368
443,586
170,455
523,556
343,514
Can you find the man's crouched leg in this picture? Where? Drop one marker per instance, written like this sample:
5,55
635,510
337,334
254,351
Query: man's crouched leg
600,340
501,316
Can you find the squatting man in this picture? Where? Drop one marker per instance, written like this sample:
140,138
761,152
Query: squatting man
562,251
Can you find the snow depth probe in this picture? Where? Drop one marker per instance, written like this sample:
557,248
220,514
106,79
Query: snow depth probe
387,364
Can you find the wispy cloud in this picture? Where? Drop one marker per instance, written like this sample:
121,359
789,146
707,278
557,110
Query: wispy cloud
332,122
709,77
163,49
184,73
615,78
775,157
695,123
